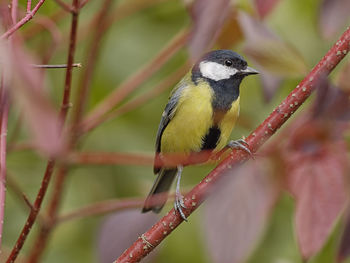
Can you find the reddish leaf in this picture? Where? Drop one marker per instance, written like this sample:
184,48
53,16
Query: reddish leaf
270,83
333,16
208,18
254,29
237,212
331,103
344,78
231,32
120,230
264,7
272,54
316,166
344,248
28,91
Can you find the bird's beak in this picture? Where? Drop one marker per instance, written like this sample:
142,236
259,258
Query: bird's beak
249,71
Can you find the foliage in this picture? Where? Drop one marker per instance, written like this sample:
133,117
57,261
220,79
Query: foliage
92,128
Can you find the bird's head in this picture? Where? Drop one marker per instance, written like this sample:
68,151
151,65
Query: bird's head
222,64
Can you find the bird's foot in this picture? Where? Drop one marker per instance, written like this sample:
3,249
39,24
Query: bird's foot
179,204
240,145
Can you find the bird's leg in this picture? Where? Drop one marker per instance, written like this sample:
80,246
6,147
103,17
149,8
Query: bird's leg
239,145
179,200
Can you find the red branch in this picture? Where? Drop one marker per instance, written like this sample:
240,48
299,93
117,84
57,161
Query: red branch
157,233
24,20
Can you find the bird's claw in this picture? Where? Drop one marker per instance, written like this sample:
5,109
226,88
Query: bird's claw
240,145
179,204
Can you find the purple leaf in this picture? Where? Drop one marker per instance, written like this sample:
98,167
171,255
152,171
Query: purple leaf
331,103
237,212
344,248
264,7
316,167
333,16
344,78
120,230
270,84
269,52
208,18
231,32
27,87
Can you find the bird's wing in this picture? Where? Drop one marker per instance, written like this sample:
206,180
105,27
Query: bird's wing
169,113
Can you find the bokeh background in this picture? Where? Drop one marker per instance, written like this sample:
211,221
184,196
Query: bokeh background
286,206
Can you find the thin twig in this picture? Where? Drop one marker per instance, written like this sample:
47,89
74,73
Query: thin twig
65,6
100,158
123,10
51,163
12,184
41,241
101,208
14,9
4,110
158,89
35,29
256,139
55,66
126,9
70,59
98,115
23,21
33,213
29,6
83,3
92,56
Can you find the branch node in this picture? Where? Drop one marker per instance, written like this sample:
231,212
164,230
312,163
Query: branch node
145,241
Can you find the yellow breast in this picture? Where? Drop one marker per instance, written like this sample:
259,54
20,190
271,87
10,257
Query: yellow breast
191,122
227,123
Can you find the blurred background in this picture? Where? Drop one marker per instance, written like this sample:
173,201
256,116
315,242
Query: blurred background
286,206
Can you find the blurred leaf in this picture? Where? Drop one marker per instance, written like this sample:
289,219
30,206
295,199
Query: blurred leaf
237,212
331,103
254,29
270,53
28,91
344,78
344,248
315,165
231,32
277,57
264,7
208,18
120,230
270,83
333,16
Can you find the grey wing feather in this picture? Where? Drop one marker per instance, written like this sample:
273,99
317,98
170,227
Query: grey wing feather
168,114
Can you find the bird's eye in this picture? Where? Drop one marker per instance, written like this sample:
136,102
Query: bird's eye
228,62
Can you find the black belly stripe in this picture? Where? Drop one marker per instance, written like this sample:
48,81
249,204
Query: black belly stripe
211,139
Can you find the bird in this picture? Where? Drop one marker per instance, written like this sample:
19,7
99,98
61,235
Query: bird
200,114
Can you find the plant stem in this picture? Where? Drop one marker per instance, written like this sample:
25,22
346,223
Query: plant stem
55,66
51,163
23,21
99,114
101,208
4,110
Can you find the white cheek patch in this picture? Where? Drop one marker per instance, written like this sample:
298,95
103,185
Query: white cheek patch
216,71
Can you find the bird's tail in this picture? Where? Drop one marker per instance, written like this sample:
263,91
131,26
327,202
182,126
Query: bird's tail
158,196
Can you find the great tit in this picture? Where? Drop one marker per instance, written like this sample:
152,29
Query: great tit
200,115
